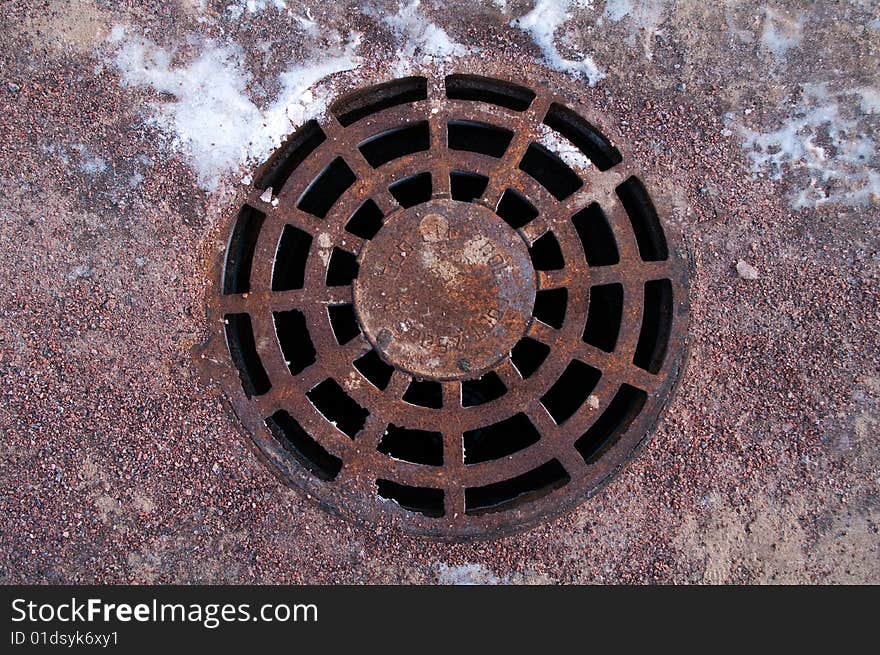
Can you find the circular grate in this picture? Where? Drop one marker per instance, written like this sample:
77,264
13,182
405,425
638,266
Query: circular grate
452,307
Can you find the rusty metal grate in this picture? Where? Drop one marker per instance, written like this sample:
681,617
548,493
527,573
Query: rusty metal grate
436,320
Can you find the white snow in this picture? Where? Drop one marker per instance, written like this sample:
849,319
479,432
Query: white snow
780,33
567,151
420,39
643,18
465,574
827,150
210,116
541,23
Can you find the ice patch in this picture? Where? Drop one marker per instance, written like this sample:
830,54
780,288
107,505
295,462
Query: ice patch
466,574
211,118
421,40
617,10
780,32
541,23
829,155
644,17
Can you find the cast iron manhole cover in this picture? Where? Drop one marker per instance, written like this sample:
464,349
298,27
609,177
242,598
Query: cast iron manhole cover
435,317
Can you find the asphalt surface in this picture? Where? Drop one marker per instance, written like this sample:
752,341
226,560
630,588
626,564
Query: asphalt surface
758,123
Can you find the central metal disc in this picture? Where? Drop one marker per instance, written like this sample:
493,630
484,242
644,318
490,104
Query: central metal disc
445,289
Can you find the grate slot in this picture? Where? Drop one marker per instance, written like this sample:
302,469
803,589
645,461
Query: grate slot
412,190
365,102
528,355
295,340
645,222
515,210
293,152
240,251
366,221
342,269
482,390
499,439
597,238
604,316
303,447
550,306
396,143
570,391
289,269
423,500
338,407
243,351
516,491
583,135
546,253
550,171
327,188
467,186
487,89
477,137
343,322
416,446
375,369
656,326
614,421
424,393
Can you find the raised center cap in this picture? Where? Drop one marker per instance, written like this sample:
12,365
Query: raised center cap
445,289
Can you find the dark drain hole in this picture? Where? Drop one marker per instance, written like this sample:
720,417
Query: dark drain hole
482,138
289,270
614,421
243,351
326,189
515,210
289,156
342,269
423,500
597,239
570,391
644,219
550,171
604,316
546,254
656,326
240,253
528,355
304,449
338,407
295,340
485,89
343,322
482,390
366,221
396,143
466,186
413,190
424,393
416,446
583,135
499,439
550,305
372,367
358,105
524,488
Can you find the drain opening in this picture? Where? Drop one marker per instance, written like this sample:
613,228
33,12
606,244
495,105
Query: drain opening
464,335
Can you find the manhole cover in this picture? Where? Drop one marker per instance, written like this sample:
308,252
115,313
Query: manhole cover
452,308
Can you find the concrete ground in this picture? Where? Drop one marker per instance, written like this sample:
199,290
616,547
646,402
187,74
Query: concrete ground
126,128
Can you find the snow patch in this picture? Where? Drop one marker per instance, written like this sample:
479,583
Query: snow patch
824,147
567,151
780,32
210,117
420,39
644,18
542,23
465,574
